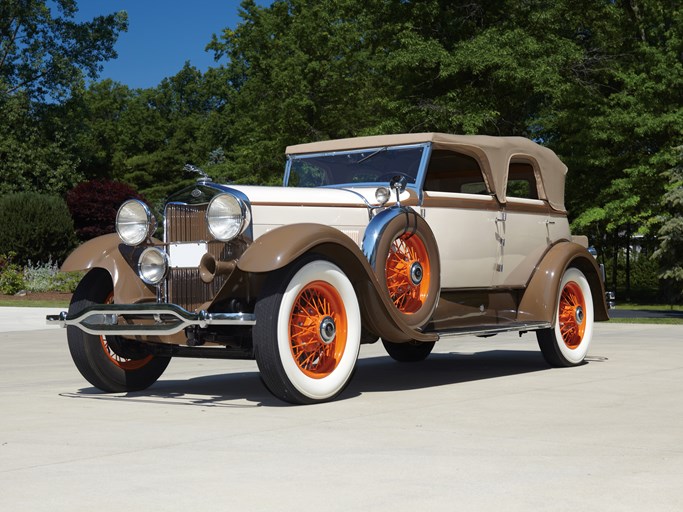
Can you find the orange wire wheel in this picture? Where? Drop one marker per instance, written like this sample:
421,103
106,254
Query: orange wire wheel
121,362
407,273
318,328
572,315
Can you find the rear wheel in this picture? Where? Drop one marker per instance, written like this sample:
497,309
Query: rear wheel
307,334
567,343
411,352
110,363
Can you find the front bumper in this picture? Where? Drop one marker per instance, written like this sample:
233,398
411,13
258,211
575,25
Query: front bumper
153,319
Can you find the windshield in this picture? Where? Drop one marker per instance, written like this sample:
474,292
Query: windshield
375,165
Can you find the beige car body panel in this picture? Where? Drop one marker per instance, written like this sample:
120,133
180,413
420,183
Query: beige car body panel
463,265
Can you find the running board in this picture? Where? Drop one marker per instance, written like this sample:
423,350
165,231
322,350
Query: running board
490,330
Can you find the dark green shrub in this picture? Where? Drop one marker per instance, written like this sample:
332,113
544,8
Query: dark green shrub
36,227
11,275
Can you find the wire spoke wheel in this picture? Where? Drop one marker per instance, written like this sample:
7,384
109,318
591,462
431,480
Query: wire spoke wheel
567,342
110,363
572,316
116,359
408,273
307,338
318,329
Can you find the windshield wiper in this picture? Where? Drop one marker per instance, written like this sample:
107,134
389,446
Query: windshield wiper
371,155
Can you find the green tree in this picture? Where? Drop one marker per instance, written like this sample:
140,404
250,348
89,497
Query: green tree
671,232
35,148
44,52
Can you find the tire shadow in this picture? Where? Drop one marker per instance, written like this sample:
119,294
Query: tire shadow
383,374
379,374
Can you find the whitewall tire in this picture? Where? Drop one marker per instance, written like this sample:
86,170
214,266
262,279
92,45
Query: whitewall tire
568,341
307,332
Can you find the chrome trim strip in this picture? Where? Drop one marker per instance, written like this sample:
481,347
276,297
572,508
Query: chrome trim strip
422,173
469,331
168,319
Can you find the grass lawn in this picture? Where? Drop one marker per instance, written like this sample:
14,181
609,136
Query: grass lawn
661,321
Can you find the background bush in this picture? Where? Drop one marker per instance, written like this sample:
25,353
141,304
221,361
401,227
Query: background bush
46,277
11,275
35,227
93,206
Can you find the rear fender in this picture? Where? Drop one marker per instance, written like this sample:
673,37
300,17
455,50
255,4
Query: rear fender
108,253
540,299
283,245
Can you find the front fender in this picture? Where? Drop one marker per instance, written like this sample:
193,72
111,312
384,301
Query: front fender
107,252
540,300
283,245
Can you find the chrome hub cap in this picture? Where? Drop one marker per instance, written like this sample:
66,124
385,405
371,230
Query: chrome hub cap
416,273
328,330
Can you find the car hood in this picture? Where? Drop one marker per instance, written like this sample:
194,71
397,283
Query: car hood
319,196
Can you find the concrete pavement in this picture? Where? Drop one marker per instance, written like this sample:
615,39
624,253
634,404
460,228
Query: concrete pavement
483,424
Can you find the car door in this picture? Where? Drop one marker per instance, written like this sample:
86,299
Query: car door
462,214
527,226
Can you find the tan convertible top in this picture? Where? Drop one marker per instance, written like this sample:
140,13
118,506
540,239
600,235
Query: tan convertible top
493,153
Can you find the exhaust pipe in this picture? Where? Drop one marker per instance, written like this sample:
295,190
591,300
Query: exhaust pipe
209,268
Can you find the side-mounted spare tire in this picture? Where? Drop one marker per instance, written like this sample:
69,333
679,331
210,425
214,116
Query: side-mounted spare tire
402,250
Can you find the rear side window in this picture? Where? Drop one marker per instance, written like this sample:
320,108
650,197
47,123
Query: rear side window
449,171
522,181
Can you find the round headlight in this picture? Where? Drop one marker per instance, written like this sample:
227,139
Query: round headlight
134,222
227,217
152,265
382,194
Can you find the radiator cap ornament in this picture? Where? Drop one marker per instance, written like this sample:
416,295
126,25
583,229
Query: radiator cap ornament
202,174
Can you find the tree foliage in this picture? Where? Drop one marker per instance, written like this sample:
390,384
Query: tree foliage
43,51
671,231
598,81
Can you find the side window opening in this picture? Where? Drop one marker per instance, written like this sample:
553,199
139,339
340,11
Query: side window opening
449,171
522,181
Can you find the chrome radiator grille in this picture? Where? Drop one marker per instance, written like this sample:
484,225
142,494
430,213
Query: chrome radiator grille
187,223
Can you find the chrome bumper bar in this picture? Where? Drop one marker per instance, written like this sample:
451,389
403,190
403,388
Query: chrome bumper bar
157,319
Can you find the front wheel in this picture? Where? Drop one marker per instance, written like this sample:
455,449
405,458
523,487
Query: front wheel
566,344
110,363
308,330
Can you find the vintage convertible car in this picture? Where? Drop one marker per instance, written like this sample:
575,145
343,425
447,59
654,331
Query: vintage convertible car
409,238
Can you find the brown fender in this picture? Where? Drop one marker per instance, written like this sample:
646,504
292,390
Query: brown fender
539,302
107,252
283,245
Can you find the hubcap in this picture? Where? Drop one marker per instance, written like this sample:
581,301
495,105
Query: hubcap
328,329
416,273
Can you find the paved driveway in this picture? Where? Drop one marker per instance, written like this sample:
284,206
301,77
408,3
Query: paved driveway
483,424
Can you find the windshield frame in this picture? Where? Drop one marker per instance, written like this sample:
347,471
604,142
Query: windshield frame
419,177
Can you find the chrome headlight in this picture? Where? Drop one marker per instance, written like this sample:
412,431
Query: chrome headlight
382,194
135,222
227,217
152,265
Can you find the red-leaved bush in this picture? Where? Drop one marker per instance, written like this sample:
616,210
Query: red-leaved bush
93,206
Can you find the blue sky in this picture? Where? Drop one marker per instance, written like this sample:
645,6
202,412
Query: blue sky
162,35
